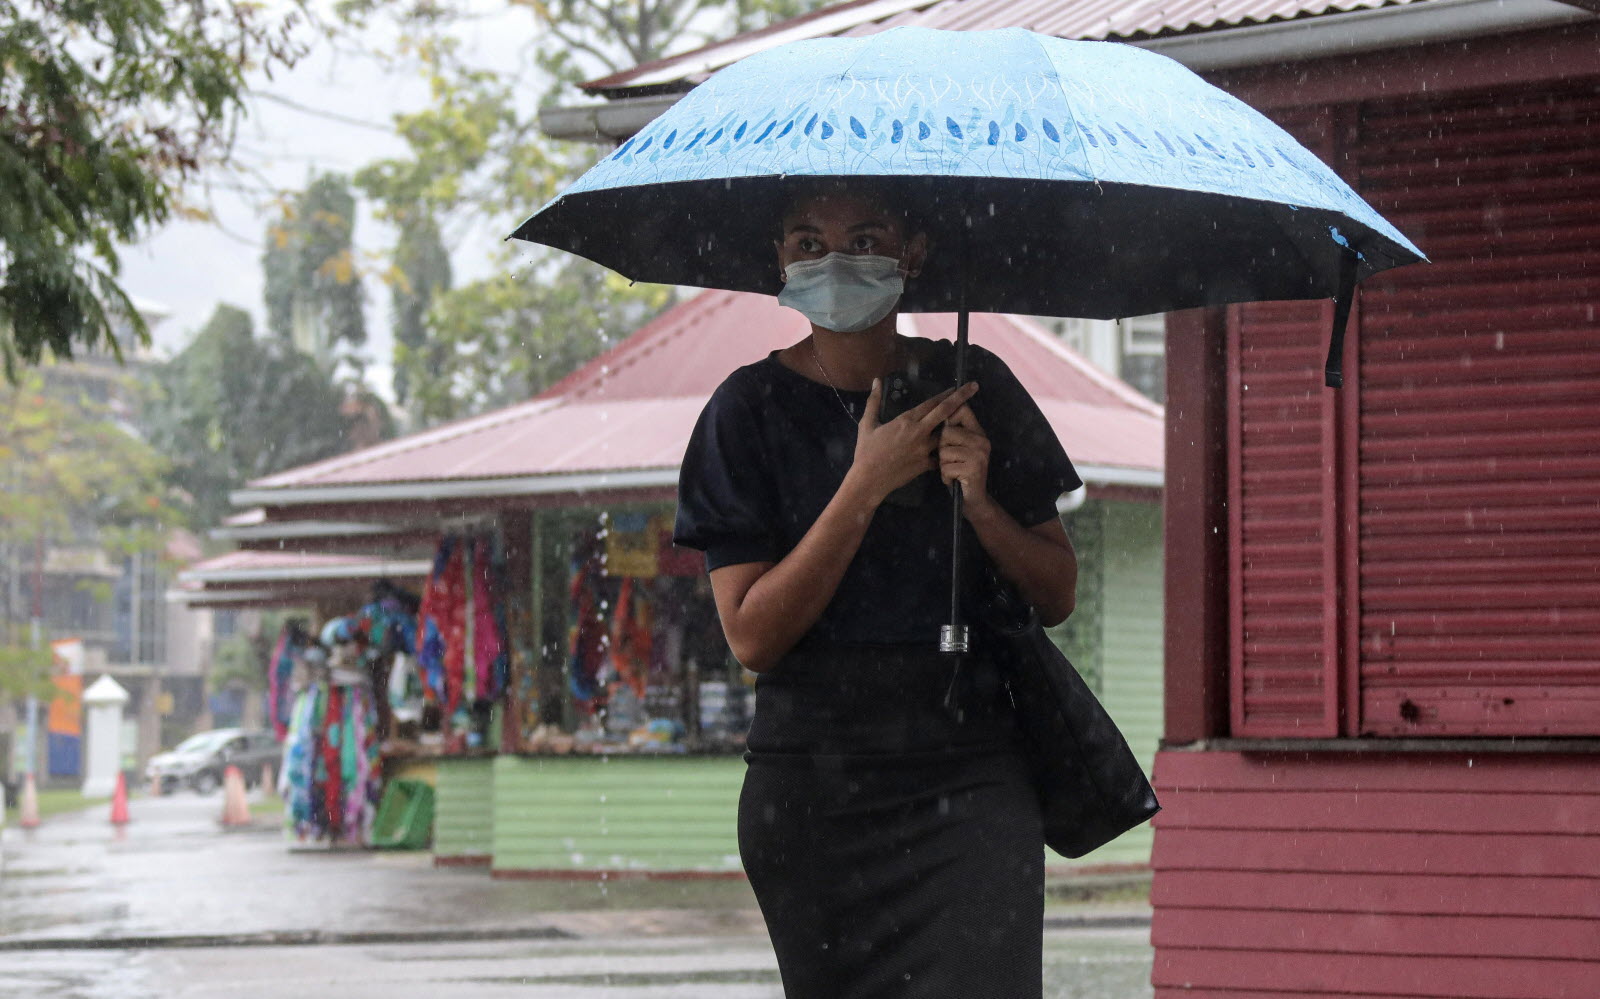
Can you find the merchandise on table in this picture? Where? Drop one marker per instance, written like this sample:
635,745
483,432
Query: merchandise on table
641,634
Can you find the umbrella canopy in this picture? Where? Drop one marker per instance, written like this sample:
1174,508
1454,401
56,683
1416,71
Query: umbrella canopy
1077,178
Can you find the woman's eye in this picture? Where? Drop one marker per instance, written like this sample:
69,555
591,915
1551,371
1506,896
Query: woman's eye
864,243
809,246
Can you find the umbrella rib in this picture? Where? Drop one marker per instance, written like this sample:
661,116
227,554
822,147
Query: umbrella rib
1087,171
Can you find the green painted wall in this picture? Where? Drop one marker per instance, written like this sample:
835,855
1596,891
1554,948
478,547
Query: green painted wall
671,813
1131,645
463,808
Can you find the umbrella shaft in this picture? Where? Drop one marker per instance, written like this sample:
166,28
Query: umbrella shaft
955,487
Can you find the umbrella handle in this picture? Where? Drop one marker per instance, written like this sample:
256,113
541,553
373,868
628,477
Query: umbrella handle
954,638
1332,372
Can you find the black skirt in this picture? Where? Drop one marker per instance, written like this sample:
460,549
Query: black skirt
912,869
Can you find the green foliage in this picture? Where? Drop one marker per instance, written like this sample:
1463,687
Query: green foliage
71,474
25,672
476,153
233,407
509,337
422,271
477,160
586,39
313,290
106,108
69,467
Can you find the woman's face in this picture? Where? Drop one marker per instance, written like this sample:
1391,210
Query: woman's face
843,222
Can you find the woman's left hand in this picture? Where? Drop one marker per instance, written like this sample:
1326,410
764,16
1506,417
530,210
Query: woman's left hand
964,457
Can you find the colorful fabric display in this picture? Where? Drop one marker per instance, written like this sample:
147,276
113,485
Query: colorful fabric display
292,640
441,626
389,627
586,636
463,654
330,779
631,636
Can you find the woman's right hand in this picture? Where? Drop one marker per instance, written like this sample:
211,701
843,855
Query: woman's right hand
888,455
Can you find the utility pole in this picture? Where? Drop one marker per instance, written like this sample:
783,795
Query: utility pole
30,754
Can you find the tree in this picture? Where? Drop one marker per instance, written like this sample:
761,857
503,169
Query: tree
107,109
233,407
421,272
71,472
586,39
477,161
313,293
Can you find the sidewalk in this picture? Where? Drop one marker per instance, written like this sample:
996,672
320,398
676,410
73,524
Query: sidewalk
176,908
174,879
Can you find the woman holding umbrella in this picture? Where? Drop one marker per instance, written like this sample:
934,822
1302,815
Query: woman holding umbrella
888,823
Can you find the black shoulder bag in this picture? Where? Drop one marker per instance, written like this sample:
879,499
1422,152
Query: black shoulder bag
1091,788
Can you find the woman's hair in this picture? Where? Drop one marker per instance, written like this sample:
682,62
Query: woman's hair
882,190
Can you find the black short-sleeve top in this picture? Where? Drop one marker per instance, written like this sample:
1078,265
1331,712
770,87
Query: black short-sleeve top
772,447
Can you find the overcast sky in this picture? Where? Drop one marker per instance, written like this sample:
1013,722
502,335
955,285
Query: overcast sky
190,267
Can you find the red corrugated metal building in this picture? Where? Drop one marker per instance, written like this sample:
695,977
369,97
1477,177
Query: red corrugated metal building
1381,768
1383,667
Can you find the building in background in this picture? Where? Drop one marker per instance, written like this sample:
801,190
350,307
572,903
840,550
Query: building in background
113,606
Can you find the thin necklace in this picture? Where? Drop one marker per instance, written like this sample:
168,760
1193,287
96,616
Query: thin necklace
816,355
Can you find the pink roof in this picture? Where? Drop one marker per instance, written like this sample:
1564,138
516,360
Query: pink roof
1082,19
633,408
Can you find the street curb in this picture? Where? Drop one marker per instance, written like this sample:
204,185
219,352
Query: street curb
331,938
285,938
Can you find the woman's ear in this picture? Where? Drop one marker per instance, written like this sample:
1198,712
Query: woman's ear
777,251
916,254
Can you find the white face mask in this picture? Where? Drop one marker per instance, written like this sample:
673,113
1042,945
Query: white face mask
843,292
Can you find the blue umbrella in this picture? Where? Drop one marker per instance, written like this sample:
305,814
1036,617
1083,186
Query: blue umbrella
1086,179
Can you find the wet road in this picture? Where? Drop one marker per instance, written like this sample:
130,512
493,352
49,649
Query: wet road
1085,964
112,913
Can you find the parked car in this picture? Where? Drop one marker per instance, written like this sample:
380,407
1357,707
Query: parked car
198,761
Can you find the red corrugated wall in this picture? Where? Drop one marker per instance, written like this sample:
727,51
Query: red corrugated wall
1449,876
1419,553
1479,392
1415,555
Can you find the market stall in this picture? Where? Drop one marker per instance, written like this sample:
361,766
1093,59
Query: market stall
622,718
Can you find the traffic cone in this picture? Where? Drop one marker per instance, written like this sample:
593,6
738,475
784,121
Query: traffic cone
119,801
235,809
29,807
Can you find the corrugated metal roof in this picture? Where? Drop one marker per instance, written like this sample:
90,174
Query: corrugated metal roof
242,579
260,566
1120,19
635,406
1128,20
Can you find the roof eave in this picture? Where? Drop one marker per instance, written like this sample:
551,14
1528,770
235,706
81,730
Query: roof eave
1293,40
1352,32
292,574
280,530
570,484
452,489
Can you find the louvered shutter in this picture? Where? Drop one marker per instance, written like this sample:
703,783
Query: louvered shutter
1479,399
1281,501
